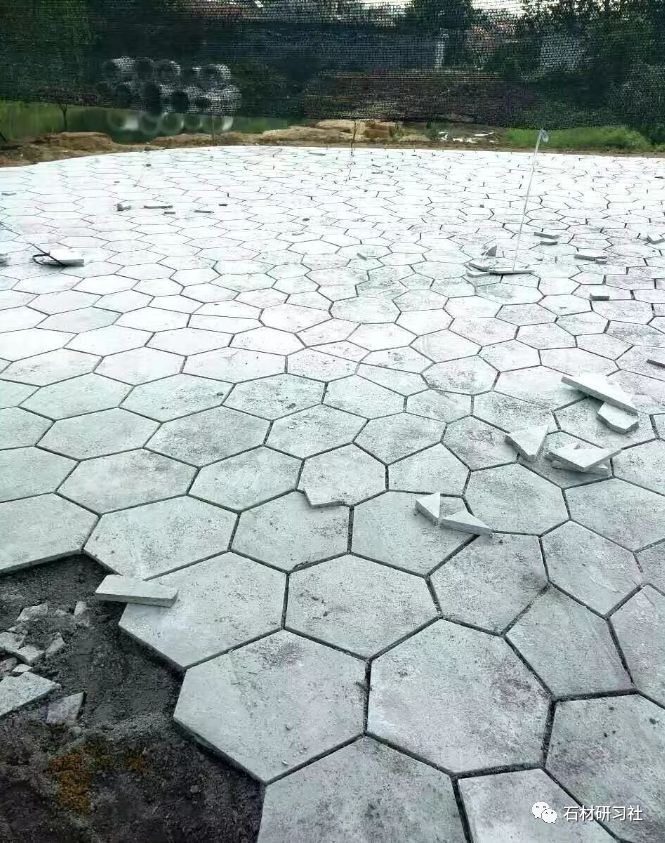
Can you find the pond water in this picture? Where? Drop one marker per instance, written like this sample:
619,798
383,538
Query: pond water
22,120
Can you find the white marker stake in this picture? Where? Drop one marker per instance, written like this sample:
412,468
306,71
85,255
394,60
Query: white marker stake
544,137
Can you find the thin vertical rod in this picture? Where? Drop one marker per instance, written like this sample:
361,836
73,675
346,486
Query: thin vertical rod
541,135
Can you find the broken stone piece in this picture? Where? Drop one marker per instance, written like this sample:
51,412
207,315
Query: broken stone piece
584,458
82,613
528,441
599,295
17,691
157,205
11,642
7,665
123,206
65,712
655,237
430,507
55,646
119,589
599,387
481,266
29,654
64,257
464,522
21,669
509,269
597,471
4,259
548,235
591,255
617,419
490,250
29,613
655,362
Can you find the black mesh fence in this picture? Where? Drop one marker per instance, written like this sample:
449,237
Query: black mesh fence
560,63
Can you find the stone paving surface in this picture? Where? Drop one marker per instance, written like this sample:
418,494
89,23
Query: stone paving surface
244,407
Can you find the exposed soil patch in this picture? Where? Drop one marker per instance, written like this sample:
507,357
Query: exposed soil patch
125,772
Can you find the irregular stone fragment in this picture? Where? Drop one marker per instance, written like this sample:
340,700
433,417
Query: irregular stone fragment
65,712
117,589
528,441
17,691
617,419
599,387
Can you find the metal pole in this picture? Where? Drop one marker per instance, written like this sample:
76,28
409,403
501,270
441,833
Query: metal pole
544,137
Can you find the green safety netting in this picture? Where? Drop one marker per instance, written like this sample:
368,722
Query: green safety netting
518,63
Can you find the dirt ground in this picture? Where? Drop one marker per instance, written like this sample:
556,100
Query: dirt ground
125,772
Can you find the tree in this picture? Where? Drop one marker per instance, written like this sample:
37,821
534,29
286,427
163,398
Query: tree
436,15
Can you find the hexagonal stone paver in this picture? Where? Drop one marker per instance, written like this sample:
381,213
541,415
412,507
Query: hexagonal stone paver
25,472
287,532
160,537
378,337
332,799
109,340
234,364
362,397
357,605
477,444
569,647
15,345
435,404
128,479
489,582
433,470
442,346
36,530
652,563
345,475
640,629
509,355
177,396
510,414
515,500
12,394
498,808
19,428
392,437
643,465
276,396
44,369
140,365
484,330
540,385
388,529
247,479
221,603
84,394
274,704
489,711
630,516
592,569
211,435
315,430
612,752
98,434
188,341
470,376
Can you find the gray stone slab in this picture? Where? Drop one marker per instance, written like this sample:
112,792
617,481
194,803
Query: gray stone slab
357,605
527,441
122,480
25,472
569,647
590,568
247,479
435,404
577,457
346,475
209,436
19,428
640,628
643,465
234,365
478,444
313,431
469,376
44,369
499,807
17,691
652,563
599,387
117,589
363,398
276,396
611,752
581,419
386,529
630,516
12,394
490,711
176,396
287,532
85,394
489,582
274,704
98,434
363,793
393,437
434,468
513,499
221,603
65,711
160,537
